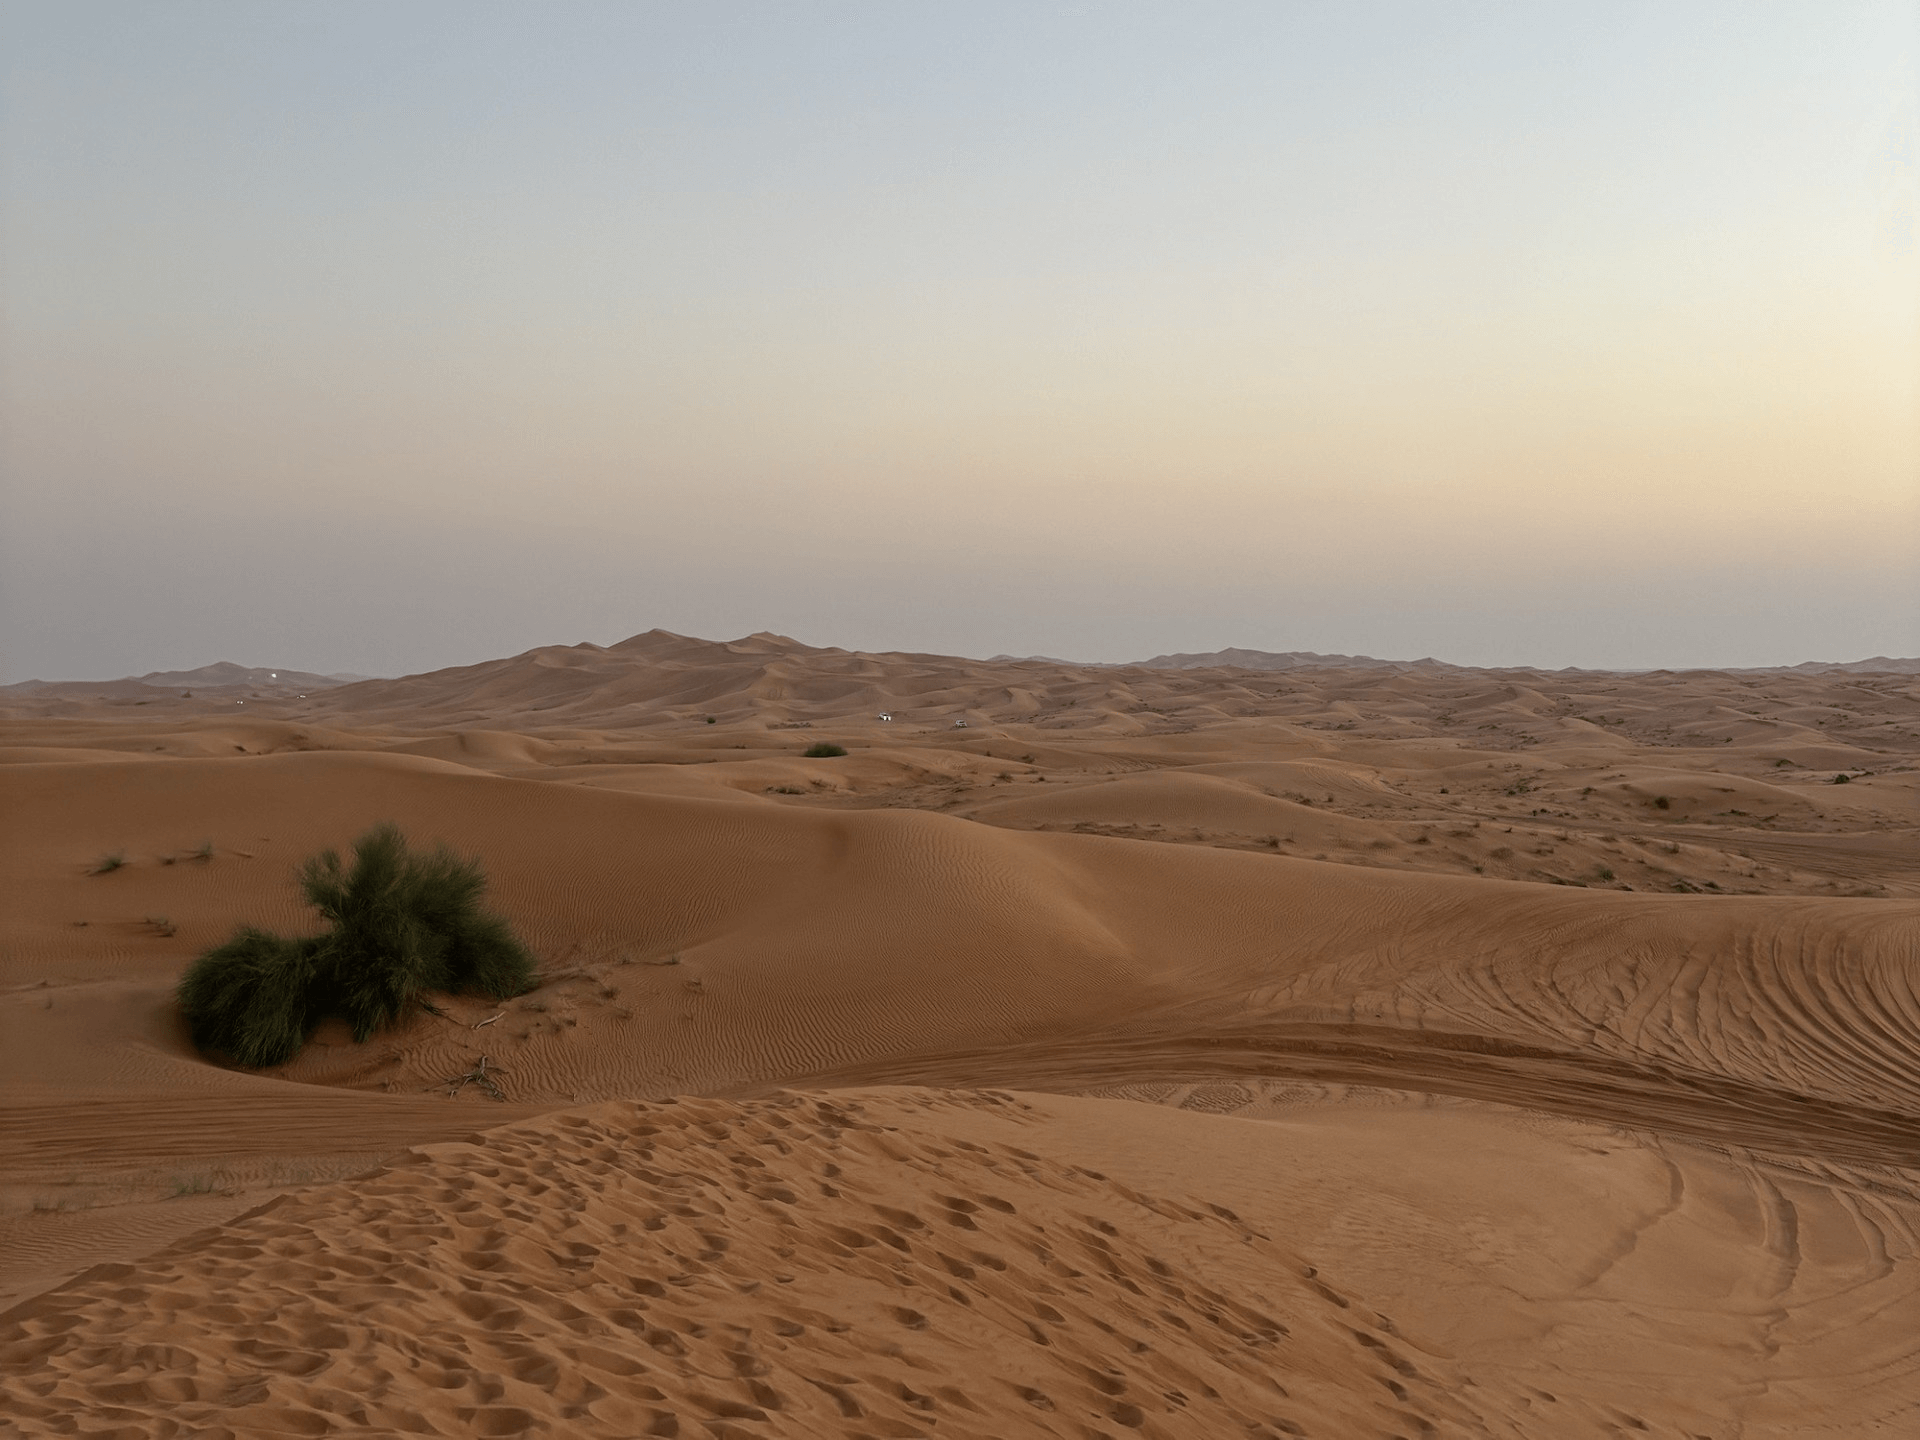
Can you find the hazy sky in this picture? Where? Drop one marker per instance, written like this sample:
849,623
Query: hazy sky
385,336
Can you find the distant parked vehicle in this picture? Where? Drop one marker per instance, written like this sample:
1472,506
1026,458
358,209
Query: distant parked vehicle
959,724
885,717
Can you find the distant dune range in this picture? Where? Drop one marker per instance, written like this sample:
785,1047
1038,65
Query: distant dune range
659,648
1328,1049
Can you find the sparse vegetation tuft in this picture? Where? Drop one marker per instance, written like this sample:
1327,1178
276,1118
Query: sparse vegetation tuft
823,750
1661,802
401,925
109,863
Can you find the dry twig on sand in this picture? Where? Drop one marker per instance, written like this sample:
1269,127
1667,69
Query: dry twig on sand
480,1075
486,1022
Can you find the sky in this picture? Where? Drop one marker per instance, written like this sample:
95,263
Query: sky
380,337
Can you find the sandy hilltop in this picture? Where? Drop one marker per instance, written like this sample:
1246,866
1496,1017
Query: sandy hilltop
1231,1044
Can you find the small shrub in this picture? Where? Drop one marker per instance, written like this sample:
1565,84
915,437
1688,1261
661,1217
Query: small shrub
1660,802
1838,780
712,721
1604,873
401,925
252,998
109,863
407,924
822,750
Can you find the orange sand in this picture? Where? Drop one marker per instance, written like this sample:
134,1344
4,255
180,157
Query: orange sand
1174,1052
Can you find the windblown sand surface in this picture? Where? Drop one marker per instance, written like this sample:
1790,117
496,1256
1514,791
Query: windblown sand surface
1173,1052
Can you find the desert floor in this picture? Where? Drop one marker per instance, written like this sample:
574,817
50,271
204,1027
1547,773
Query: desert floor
1207,1053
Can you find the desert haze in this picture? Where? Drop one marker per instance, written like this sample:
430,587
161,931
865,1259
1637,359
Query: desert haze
1225,1045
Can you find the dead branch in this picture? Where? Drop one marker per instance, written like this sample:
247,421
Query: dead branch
480,1075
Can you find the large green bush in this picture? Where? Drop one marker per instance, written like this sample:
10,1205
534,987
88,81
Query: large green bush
400,925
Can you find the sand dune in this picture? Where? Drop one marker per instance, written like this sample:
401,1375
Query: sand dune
799,1266
1358,1052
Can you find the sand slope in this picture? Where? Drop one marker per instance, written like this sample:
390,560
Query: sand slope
924,1262
794,1267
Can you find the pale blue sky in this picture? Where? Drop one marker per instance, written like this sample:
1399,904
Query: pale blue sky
387,336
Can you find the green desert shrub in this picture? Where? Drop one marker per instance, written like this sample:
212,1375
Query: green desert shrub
400,925
253,997
823,751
